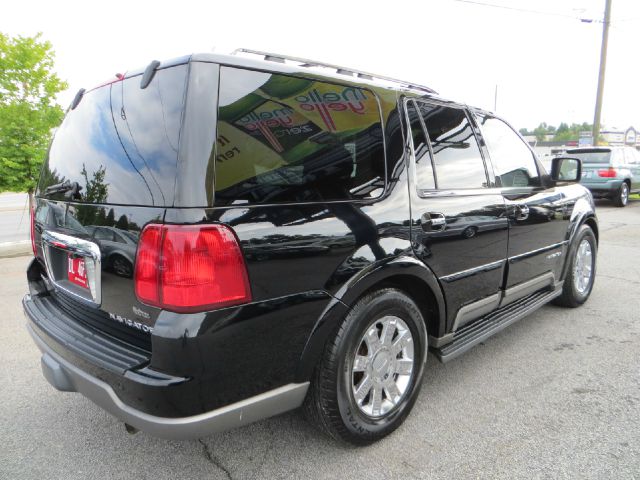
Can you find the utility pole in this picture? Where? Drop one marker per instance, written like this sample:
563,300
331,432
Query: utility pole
603,66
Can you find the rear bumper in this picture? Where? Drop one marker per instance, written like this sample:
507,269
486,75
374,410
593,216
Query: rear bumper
603,189
66,376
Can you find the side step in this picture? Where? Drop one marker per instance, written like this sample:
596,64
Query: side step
481,329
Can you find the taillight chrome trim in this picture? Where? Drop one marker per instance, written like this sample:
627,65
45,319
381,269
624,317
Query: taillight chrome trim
89,250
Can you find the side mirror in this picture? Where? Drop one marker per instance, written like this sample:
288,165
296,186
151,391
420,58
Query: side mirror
566,169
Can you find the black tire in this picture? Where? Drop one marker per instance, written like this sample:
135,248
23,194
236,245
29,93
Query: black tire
622,197
121,266
571,296
470,232
330,403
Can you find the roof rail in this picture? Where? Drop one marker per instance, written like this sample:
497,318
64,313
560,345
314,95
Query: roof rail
305,62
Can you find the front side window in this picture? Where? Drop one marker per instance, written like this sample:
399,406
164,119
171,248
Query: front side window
511,157
457,159
290,139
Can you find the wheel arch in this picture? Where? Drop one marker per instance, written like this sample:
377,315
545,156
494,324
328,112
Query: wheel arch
589,219
406,274
593,224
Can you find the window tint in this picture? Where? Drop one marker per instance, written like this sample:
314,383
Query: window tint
290,139
591,156
511,157
423,167
103,234
456,155
118,238
121,142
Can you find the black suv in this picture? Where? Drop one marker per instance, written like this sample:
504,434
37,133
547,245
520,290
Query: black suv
219,239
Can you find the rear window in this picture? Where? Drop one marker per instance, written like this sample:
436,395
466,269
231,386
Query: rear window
596,156
289,139
120,144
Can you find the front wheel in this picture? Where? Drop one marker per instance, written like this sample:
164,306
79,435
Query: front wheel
371,370
581,272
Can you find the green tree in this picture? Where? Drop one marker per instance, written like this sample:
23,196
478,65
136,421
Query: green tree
95,190
28,112
541,132
562,128
122,223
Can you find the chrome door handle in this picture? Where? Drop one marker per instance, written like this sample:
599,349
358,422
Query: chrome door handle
433,222
522,212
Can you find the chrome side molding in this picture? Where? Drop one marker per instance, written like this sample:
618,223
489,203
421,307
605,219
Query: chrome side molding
75,246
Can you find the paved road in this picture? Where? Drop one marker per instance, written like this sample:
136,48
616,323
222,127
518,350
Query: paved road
556,395
14,217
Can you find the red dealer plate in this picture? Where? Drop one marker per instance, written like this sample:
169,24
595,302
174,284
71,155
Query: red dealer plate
77,272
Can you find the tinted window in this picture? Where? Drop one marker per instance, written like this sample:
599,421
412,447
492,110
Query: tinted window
103,234
118,238
423,167
289,139
456,155
121,142
513,161
594,156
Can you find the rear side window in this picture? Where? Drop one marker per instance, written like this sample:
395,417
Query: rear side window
120,144
512,159
457,159
423,167
289,139
631,156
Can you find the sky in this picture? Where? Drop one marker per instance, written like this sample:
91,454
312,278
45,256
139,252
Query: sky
544,61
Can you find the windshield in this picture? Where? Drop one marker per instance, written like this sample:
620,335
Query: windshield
120,144
598,156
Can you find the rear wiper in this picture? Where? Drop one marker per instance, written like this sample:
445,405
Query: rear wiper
70,189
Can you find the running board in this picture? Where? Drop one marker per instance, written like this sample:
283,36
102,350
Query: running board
481,329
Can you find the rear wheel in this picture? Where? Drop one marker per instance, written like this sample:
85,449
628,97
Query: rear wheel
622,198
581,272
122,266
371,370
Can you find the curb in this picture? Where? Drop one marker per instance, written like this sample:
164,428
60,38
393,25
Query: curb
15,249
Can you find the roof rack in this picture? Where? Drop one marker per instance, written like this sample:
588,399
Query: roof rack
305,62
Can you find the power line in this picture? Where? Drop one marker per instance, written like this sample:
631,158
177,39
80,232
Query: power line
528,10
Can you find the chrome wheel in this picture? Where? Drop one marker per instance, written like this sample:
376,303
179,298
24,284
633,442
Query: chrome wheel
583,267
624,194
382,366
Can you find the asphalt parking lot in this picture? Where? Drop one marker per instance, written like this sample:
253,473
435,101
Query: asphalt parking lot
556,395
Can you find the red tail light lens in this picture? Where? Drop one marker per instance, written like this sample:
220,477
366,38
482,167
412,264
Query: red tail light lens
190,268
147,265
32,217
608,173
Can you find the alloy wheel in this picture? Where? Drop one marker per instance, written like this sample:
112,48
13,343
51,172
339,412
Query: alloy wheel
382,366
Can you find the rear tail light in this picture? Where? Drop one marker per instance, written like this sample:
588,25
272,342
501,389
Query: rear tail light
190,268
608,173
32,219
